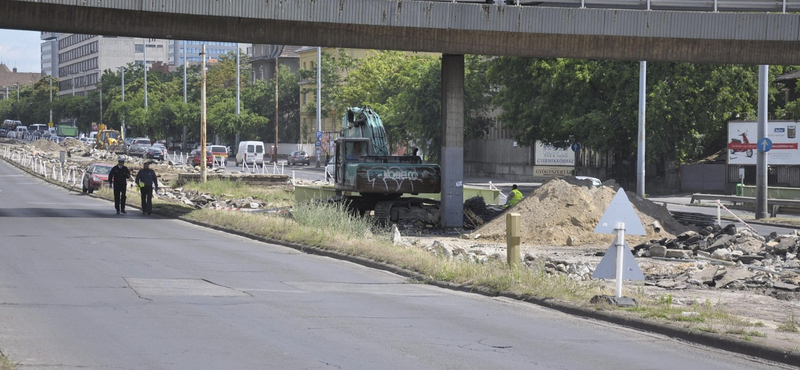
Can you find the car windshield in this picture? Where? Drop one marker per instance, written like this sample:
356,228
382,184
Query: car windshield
102,170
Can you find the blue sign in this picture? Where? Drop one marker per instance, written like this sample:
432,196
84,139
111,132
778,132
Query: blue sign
764,144
318,143
576,146
319,135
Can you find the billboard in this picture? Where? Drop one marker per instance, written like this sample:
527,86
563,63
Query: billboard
548,155
743,140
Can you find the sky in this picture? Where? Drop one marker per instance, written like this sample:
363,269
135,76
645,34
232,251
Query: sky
21,49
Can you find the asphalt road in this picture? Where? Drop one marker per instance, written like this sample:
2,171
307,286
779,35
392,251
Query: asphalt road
81,287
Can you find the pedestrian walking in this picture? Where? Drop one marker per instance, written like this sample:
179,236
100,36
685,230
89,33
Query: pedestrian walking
118,178
146,180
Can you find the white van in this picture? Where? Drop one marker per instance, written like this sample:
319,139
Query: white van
250,152
19,132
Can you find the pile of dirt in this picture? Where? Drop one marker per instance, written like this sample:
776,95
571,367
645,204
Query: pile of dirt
71,143
561,213
46,145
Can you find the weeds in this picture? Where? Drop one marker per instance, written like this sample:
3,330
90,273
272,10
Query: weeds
5,363
789,326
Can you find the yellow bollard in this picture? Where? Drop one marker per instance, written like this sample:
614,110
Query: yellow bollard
512,239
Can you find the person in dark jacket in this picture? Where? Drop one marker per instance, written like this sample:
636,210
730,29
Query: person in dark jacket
118,178
146,181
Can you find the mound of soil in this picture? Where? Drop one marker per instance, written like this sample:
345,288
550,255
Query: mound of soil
561,213
46,145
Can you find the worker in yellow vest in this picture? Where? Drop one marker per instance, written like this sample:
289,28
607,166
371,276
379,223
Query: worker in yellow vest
515,196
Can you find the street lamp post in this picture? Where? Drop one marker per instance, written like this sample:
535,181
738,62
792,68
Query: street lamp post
123,100
183,137
51,101
275,157
238,82
319,94
145,74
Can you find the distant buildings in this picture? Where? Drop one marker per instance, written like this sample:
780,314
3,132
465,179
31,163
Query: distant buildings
82,58
11,80
78,59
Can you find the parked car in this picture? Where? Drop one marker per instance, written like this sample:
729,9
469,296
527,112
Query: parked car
155,152
96,177
194,158
138,141
219,153
595,181
299,157
137,150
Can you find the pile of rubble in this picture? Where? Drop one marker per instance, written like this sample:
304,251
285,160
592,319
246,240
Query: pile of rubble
557,231
566,212
727,257
203,200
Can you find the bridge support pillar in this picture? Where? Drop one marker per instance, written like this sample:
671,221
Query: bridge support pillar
452,155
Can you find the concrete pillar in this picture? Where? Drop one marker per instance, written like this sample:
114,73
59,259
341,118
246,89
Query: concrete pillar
452,155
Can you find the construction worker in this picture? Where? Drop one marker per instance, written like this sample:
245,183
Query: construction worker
514,198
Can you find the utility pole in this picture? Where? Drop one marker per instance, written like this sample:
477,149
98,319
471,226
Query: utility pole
183,138
122,129
275,158
238,88
145,74
640,153
51,101
100,88
762,169
203,169
319,94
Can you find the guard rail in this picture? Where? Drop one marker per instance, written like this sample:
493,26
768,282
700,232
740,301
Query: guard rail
776,204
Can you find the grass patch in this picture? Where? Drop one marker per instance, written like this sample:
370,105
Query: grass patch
332,227
225,188
5,363
790,326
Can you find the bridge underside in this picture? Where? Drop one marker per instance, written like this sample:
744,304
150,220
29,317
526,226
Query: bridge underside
372,34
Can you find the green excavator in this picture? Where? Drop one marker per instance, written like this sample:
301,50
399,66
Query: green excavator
370,180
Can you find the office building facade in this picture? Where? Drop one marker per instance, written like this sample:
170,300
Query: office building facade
82,58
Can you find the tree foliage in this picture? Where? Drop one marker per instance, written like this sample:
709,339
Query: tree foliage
559,101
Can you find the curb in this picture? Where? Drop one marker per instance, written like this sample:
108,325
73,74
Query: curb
791,358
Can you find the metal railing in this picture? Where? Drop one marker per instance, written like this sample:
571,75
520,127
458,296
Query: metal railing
47,168
675,5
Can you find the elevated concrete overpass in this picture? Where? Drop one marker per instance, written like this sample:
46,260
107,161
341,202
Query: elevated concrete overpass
607,29
611,29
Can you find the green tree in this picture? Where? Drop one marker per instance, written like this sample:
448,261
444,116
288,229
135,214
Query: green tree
596,103
335,67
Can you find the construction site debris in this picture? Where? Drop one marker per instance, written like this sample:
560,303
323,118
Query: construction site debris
562,213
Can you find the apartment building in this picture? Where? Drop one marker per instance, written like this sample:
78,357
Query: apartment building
82,58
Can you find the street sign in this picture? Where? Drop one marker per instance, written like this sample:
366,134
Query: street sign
764,144
576,146
318,143
620,210
319,134
606,269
